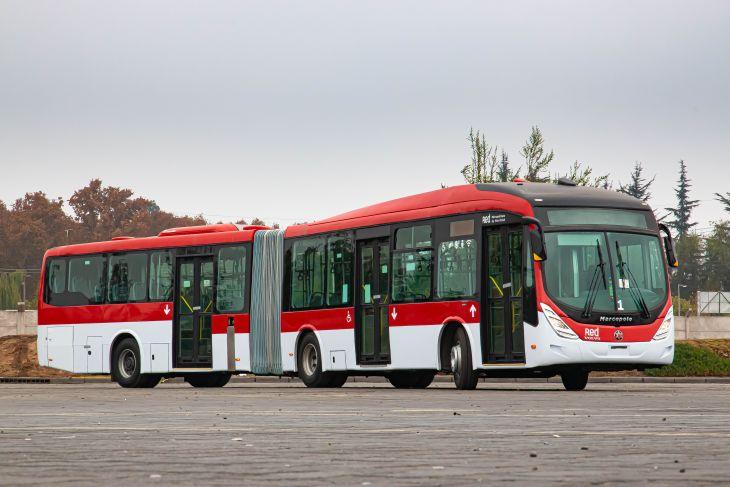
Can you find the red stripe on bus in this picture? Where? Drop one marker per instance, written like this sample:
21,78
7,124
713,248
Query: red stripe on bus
433,313
104,313
319,319
241,323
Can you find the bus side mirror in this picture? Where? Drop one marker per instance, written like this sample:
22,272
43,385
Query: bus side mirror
537,238
669,246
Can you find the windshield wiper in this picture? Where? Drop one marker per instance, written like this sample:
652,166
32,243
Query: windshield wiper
593,288
633,283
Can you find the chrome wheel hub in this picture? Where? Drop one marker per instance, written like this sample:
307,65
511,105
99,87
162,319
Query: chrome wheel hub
310,360
455,358
127,363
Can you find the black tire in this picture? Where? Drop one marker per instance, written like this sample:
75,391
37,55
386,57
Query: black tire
309,363
414,379
465,377
337,379
126,365
575,379
218,379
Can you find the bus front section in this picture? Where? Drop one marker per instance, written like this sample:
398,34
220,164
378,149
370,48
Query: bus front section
603,296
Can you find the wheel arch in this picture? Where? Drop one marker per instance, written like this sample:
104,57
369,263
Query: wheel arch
303,331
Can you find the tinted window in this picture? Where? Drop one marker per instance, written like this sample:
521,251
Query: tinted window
457,269
127,278
339,270
86,280
413,237
231,297
161,276
597,216
55,281
308,274
412,275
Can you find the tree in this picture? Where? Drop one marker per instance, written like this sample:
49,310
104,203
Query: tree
504,172
483,163
537,163
717,257
582,176
691,269
639,185
725,200
683,212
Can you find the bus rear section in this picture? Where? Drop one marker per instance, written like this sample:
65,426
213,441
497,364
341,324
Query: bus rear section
145,308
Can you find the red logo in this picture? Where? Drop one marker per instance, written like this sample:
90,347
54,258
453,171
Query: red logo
618,335
593,334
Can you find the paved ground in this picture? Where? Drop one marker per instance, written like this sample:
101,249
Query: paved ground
364,434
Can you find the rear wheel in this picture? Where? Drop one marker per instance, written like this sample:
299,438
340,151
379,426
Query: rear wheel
309,366
208,380
417,379
575,379
465,377
126,366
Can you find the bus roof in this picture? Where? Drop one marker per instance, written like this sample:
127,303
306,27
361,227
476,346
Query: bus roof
170,238
517,197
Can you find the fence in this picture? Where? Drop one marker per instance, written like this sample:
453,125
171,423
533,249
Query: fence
713,302
13,322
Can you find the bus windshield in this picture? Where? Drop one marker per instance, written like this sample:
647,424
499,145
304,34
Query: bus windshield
605,271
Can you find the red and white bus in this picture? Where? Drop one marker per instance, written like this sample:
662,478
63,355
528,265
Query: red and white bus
501,279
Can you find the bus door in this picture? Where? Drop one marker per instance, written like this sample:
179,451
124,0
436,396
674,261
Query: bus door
193,311
502,289
371,301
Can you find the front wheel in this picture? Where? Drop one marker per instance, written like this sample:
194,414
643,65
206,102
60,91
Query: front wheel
465,377
127,365
575,380
208,380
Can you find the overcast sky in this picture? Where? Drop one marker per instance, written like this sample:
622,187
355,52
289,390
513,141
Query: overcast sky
294,111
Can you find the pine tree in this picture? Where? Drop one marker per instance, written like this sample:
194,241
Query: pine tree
537,163
683,212
504,171
582,176
725,200
639,185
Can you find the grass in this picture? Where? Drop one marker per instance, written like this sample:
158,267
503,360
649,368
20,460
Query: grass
696,358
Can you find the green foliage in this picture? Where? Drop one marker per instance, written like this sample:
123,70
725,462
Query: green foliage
682,213
692,361
483,163
690,272
725,200
582,175
639,185
716,263
684,305
537,162
11,290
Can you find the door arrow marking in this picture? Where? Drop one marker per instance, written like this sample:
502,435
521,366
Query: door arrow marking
166,309
394,314
473,311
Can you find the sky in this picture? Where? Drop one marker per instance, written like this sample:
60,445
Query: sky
295,111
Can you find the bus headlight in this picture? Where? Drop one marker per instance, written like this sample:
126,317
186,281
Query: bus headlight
663,330
557,324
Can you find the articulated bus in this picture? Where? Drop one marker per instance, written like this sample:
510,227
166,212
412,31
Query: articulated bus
497,279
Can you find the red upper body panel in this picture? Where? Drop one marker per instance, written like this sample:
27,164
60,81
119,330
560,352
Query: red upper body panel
441,202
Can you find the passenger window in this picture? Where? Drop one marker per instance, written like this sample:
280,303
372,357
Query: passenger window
127,278
412,264
86,280
457,269
339,270
412,275
308,274
413,237
231,297
161,279
56,282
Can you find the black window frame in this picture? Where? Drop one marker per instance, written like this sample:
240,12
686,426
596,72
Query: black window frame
393,251
288,269
248,256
